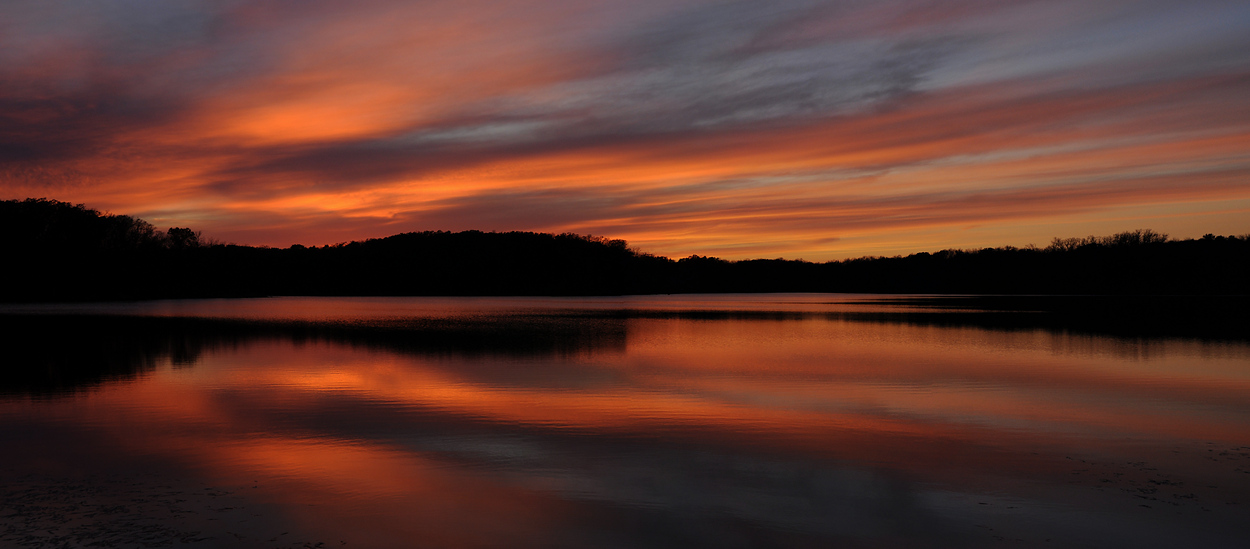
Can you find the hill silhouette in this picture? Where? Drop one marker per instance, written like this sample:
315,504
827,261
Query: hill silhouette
56,251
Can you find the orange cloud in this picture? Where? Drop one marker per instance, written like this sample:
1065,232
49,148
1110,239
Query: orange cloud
746,132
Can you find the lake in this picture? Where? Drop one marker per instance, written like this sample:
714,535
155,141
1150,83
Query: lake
776,420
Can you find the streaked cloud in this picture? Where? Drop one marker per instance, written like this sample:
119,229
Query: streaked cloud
743,128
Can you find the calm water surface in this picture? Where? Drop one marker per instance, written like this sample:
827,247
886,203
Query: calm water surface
685,421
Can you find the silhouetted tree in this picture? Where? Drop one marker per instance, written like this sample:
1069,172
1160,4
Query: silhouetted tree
181,238
59,251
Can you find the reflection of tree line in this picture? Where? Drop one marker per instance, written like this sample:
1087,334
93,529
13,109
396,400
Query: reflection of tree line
66,252
1224,317
53,354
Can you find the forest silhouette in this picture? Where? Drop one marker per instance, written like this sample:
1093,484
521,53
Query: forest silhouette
57,251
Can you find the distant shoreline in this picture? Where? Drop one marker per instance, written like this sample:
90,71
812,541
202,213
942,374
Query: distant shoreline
63,253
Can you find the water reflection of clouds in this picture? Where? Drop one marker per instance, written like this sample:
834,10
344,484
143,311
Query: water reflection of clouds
651,430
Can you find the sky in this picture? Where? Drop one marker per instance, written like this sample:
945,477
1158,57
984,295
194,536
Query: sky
739,129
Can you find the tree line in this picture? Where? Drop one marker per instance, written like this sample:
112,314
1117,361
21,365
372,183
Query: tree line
56,251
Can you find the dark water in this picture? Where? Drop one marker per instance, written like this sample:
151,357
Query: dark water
715,421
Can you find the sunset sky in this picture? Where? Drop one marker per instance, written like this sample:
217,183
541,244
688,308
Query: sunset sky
779,128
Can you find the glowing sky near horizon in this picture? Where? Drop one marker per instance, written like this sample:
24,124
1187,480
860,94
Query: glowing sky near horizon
782,128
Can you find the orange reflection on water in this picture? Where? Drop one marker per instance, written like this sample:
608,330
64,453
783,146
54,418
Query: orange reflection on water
394,444
797,385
